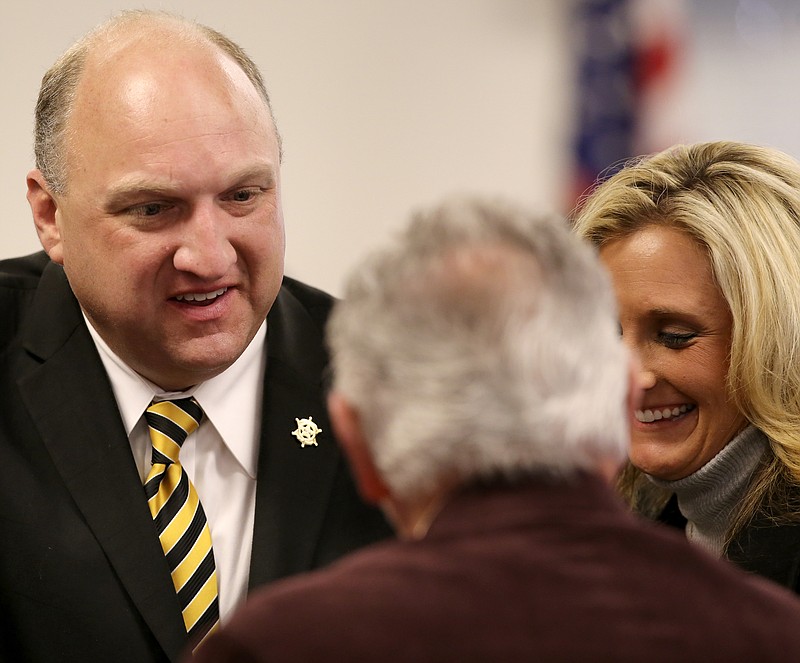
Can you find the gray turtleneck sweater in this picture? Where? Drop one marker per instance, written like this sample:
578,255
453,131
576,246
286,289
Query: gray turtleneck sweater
708,498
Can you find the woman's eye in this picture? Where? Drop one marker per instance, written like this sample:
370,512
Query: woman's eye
676,339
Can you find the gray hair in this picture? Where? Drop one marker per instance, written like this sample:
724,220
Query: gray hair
60,82
484,342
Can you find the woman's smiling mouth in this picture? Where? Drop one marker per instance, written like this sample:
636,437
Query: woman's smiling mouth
658,414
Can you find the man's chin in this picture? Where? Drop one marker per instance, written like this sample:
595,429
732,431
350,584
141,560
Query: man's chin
187,371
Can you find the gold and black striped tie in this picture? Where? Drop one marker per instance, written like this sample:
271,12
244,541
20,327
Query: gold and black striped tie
179,517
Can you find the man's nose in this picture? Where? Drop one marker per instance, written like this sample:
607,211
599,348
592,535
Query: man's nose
204,248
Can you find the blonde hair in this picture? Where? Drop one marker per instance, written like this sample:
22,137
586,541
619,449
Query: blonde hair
742,203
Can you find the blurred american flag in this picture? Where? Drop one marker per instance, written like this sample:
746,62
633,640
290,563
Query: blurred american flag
629,54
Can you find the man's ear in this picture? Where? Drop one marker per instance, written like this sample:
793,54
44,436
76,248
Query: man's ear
44,208
346,423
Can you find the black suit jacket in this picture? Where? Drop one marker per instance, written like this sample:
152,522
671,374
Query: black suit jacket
82,574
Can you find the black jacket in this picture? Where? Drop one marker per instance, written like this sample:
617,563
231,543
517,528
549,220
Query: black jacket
82,574
763,548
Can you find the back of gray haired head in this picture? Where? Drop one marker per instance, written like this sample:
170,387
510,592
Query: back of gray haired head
484,342
60,82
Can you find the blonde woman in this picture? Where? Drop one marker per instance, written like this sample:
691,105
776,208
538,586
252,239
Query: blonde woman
703,246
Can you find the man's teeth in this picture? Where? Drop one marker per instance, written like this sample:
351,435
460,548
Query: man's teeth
200,296
648,416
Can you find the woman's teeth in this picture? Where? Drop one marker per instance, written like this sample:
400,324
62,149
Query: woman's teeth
648,416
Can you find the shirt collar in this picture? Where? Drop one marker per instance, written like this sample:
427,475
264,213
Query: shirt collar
231,401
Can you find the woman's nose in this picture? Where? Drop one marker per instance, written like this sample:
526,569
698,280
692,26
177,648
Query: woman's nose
647,378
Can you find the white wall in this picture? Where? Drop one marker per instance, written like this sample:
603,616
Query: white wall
741,82
383,105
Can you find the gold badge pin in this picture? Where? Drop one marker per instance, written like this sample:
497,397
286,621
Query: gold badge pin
306,432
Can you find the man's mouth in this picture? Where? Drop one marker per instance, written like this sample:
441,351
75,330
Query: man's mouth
649,416
201,298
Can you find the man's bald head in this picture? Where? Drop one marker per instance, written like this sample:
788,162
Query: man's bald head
157,32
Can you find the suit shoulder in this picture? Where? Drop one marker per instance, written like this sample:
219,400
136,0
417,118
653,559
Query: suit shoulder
318,302
19,279
22,273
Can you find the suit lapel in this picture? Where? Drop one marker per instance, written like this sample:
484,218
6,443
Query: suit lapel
83,432
294,482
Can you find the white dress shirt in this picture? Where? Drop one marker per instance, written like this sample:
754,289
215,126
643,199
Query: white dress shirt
220,457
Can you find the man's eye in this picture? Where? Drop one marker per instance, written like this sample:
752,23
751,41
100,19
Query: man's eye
243,195
676,340
149,209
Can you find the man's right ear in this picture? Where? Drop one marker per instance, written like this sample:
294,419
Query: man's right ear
346,421
45,208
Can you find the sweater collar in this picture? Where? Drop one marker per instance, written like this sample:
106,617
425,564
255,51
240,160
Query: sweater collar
709,497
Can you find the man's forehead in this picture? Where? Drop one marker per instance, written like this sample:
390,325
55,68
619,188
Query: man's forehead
110,60
140,80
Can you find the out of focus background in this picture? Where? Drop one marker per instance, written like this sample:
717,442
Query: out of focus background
389,105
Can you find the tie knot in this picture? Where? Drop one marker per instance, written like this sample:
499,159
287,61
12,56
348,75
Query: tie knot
170,423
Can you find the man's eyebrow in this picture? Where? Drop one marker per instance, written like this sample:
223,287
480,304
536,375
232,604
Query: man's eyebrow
261,171
129,190
133,188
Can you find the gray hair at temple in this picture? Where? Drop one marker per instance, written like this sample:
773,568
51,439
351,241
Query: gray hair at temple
482,343
60,82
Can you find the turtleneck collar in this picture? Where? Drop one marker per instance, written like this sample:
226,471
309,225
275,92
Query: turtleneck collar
708,498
